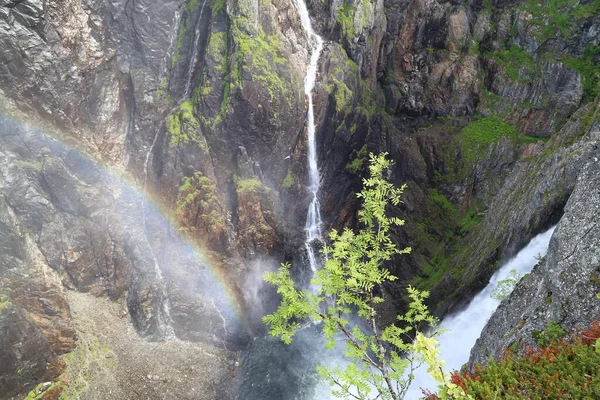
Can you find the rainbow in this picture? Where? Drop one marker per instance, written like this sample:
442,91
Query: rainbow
229,301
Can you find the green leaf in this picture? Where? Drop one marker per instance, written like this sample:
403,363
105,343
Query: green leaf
348,283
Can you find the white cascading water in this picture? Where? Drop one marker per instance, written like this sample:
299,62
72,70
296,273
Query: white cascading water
165,324
192,65
313,218
464,328
164,317
172,37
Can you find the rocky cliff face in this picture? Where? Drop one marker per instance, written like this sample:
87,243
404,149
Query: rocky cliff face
489,110
67,224
562,287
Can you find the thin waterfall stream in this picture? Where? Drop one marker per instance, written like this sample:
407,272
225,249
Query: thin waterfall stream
172,41
164,315
193,60
273,370
313,217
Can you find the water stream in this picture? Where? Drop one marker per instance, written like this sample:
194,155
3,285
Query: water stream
464,327
165,324
193,61
164,64
313,217
271,369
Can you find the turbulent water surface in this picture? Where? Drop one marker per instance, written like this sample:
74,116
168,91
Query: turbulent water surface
273,370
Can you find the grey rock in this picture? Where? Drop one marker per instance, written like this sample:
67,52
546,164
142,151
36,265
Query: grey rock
563,286
187,100
530,199
25,354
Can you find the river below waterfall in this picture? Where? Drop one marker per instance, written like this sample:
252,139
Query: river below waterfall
274,371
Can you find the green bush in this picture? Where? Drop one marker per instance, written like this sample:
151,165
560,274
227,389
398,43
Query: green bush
479,134
558,369
551,333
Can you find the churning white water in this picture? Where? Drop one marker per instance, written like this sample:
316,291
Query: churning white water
313,218
464,328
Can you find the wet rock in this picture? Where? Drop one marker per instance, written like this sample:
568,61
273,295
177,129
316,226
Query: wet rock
256,218
530,199
205,108
458,30
26,357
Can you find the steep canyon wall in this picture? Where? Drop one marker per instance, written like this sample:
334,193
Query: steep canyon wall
489,110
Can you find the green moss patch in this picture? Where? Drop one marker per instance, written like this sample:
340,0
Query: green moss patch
288,181
91,361
553,17
259,53
5,303
197,203
471,145
42,391
478,135
439,239
357,160
589,68
249,185
184,27
513,61
341,94
347,17
182,125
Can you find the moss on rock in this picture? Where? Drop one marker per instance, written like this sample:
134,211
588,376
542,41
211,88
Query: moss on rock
182,124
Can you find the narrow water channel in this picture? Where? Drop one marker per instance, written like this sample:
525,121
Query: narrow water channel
463,328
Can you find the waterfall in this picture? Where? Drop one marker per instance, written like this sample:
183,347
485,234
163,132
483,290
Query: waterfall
313,217
272,370
165,324
172,36
192,65
464,327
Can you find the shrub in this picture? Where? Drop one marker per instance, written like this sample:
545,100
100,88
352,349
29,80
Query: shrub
560,368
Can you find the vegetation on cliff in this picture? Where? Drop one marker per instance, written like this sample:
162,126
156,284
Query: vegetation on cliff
197,204
560,368
182,125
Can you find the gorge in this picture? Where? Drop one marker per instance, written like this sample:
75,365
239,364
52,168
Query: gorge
157,157
464,327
